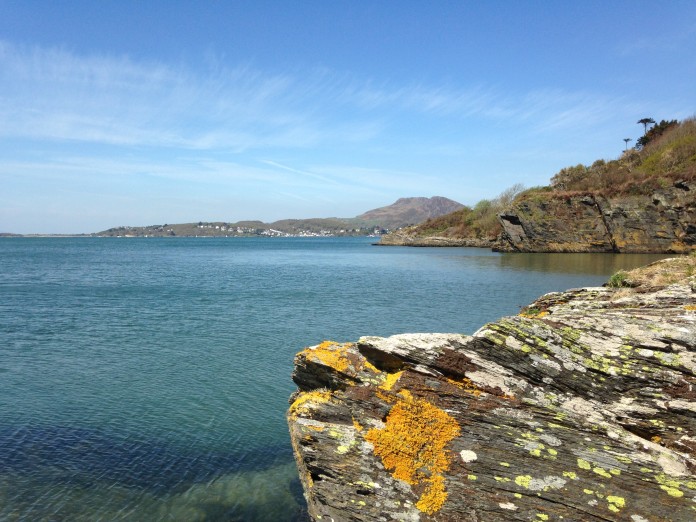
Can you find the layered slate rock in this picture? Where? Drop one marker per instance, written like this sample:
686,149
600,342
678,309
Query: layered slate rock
581,408
406,238
662,222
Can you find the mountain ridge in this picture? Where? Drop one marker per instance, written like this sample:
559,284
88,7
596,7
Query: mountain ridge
403,212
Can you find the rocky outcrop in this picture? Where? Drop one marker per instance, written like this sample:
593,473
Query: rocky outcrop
663,222
400,238
581,408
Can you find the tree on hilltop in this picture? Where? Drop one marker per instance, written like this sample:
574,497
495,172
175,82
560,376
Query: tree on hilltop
646,122
655,132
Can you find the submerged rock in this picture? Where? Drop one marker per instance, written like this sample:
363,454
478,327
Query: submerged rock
580,408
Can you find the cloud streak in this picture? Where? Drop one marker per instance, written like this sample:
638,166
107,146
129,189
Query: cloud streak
55,95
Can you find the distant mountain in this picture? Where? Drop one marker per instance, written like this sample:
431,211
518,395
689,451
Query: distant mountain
405,211
409,211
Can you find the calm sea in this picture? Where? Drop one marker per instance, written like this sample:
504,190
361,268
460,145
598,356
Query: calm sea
147,379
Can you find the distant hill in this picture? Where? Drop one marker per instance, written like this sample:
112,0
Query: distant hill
404,212
409,211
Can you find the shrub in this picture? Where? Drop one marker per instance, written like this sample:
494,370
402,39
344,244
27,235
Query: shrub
618,280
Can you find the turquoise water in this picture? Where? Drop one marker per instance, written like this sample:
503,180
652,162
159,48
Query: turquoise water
147,379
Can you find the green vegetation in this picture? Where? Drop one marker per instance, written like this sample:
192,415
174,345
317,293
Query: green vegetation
480,221
618,280
667,154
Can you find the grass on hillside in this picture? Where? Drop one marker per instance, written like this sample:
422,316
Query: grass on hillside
480,221
665,159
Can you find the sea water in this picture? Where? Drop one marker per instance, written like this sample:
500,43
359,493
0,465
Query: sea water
148,378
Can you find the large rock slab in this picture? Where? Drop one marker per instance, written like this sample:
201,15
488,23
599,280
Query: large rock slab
580,408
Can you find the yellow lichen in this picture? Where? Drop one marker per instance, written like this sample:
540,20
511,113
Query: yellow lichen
619,502
367,364
412,445
583,464
358,427
307,399
467,385
390,380
523,480
672,492
330,354
601,472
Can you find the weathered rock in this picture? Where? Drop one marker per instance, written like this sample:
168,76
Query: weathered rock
663,222
581,408
404,238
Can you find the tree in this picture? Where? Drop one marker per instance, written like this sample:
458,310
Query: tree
627,140
655,132
646,122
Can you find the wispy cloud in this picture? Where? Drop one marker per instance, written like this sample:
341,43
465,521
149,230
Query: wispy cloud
298,171
56,95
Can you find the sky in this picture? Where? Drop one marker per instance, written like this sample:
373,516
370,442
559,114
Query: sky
149,112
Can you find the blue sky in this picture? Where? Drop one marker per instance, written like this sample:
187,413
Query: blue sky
136,113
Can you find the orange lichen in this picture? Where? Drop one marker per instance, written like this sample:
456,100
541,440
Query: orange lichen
434,496
358,427
412,445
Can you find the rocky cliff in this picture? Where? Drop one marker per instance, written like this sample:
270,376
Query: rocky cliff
581,408
662,222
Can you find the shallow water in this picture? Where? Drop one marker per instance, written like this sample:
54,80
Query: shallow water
147,379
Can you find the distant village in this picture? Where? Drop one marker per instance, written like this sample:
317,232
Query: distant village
218,229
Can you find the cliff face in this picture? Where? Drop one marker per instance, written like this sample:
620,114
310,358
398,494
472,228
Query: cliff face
581,408
663,222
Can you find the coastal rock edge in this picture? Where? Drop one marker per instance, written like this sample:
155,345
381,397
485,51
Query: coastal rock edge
580,408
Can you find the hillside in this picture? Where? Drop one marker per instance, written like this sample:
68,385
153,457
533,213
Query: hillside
644,201
410,211
405,211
